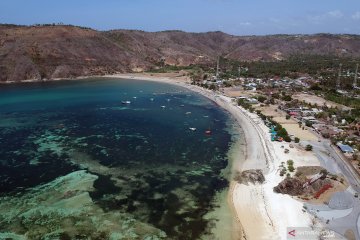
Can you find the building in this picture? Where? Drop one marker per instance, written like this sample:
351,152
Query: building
345,148
327,131
309,119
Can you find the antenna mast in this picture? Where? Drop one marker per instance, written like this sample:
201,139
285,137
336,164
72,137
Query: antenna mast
355,78
217,68
338,78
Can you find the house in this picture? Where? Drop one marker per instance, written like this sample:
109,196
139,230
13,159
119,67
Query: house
294,114
309,119
252,101
310,112
327,131
345,148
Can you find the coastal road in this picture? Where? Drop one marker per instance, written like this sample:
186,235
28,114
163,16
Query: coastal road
332,160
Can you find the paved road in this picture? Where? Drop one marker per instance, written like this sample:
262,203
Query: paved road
336,161
332,159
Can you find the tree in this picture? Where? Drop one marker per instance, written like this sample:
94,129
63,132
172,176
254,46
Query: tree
287,117
213,87
197,75
227,84
315,87
261,98
324,173
308,124
282,133
275,95
308,147
290,165
287,138
287,98
297,140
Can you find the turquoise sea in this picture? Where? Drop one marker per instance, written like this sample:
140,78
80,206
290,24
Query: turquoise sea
109,159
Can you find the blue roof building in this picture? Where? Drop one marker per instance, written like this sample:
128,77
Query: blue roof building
345,148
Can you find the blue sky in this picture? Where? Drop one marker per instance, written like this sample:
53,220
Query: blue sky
238,17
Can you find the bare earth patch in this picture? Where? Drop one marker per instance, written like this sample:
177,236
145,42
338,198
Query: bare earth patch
312,99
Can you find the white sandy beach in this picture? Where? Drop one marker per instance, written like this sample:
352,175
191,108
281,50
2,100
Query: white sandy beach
261,213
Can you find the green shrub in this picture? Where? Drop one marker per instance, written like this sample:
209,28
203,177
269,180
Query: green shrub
287,98
261,98
287,138
308,147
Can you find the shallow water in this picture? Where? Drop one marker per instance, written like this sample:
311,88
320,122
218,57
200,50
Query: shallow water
148,164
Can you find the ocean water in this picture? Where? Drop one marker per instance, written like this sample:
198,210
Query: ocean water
135,166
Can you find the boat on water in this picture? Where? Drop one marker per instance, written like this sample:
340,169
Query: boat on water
151,99
125,102
182,105
163,106
192,129
208,132
187,113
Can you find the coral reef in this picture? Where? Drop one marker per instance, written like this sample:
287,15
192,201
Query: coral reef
63,209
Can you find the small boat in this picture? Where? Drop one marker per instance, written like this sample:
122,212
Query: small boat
168,100
192,129
151,99
125,102
187,113
208,131
182,105
163,106
134,97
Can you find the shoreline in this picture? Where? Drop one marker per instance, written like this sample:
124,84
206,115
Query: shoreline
249,211
257,212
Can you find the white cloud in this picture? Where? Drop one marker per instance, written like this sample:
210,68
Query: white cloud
356,16
245,23
319,19
335,14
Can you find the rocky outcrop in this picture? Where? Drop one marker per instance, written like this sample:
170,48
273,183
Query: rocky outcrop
250,176
290,186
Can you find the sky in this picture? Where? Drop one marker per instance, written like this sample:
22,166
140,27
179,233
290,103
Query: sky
237,17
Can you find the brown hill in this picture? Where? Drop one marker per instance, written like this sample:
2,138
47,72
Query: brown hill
39,52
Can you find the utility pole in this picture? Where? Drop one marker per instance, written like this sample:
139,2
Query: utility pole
338,78
355,78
